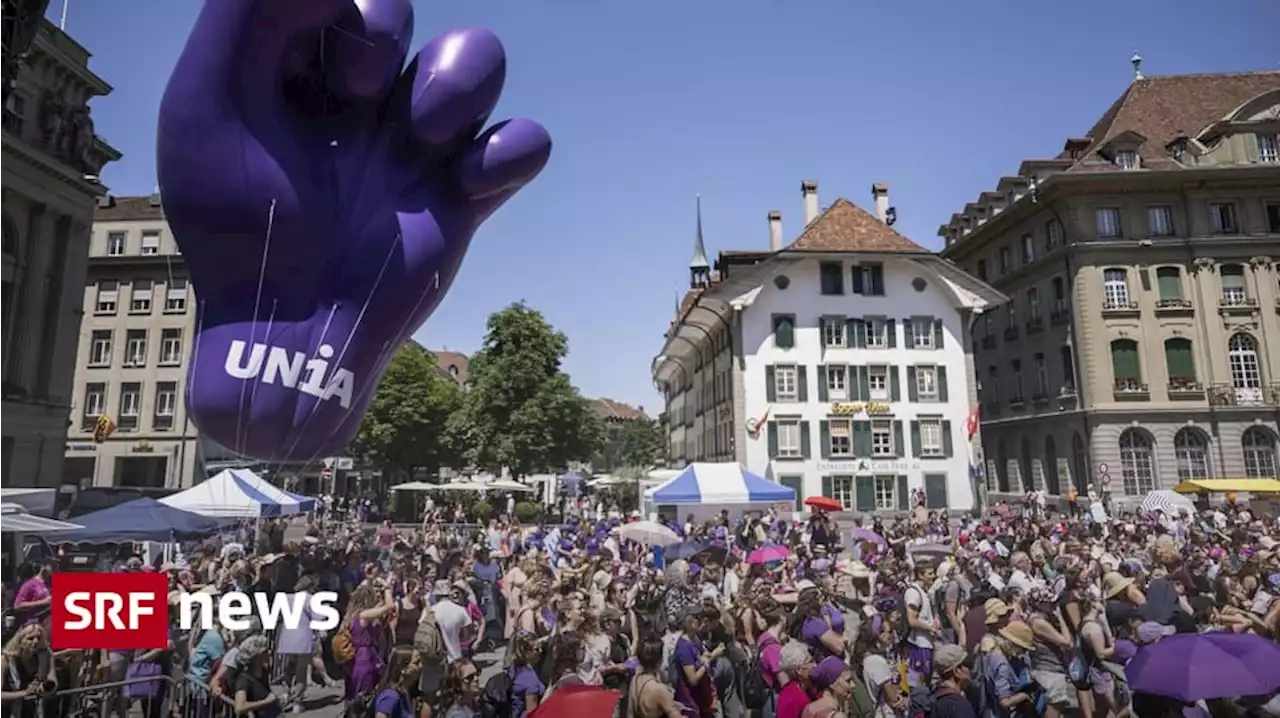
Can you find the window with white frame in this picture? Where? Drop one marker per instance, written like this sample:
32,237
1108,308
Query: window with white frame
166,404
1006,260
1160,220
135,348
840,435
837,383
1127,160
1222,215
882,438
1115,288
1053,234
789,439
877,334
878,383
1268,149
1028,248
834,333
784,382
170,347
130,405
100,348
886,493
95,402
175,299
108,296
843,490
1108,222
927,383
140,296
115,244
1033,303
151,242
931,441
922,333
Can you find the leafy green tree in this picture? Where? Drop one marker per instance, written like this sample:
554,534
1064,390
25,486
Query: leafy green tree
643,444
521,412
407,426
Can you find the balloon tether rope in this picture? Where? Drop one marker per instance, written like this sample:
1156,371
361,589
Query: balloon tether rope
257,304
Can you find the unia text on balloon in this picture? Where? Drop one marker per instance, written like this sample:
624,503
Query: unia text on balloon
271,364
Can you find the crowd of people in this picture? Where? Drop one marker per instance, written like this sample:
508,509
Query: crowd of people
1019,613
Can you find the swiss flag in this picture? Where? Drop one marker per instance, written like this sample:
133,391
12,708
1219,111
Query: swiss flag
971,423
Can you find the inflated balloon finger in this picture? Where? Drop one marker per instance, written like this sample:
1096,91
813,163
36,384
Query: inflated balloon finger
321,228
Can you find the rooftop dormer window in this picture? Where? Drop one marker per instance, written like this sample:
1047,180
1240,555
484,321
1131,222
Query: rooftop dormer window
1127,160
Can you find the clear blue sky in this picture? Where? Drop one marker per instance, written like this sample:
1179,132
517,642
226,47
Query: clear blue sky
651,103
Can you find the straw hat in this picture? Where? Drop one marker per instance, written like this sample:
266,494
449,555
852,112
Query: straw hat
1113,584
1019,634
995,610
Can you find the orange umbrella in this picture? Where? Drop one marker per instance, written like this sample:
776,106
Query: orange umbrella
823,503
579,701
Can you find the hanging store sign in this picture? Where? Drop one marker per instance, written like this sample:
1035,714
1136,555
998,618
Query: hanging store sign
870,408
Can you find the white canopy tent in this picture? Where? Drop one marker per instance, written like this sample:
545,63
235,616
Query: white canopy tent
239,493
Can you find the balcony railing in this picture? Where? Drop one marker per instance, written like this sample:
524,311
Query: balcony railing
1237,304
1244,396
1039,397
1131,390
1174,306
1068,397
989,341
1181,387
1017,402
1010,334
1062,315
1035,325
1115,307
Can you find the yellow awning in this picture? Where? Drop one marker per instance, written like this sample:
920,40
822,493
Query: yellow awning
1253,486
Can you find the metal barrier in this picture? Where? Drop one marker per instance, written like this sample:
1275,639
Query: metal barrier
164,696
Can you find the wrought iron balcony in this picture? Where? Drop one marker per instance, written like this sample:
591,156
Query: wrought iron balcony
1174,306
1061,315
1010,334
1035,325
1039,397
1017,402
989,341
1237,304
1229,395
1115,307
1131,390
1182,387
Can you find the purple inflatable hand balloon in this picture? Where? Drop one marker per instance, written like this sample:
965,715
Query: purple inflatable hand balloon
324,196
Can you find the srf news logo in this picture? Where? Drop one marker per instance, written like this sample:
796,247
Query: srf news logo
131,611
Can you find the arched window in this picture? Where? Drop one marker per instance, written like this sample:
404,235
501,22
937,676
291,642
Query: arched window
1137,466
1246,373
1002,467
1126,366
1079,464
1115,288
1024,467
1051,466
1259,447
1191,449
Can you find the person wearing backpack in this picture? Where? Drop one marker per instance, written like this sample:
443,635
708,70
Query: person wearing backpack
395,699
762,682
950,664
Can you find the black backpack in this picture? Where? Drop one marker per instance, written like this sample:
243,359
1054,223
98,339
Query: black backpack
755,692
495,700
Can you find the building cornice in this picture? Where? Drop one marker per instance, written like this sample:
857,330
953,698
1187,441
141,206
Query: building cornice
46,165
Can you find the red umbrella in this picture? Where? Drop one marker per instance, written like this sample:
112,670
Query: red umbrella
824,503
579,701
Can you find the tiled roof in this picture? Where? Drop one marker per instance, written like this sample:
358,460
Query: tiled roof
454,364
1160,109
607,409
124,209
846,227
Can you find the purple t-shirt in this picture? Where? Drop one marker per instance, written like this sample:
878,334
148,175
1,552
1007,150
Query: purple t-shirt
524,683
689,654
811,632
394,704
770,657
837,618
33,589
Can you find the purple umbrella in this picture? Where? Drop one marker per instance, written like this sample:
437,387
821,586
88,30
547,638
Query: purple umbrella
1190,667
861,534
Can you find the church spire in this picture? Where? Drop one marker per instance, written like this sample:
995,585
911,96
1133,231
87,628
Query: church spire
699,268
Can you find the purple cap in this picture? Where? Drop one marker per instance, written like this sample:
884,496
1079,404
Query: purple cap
827,672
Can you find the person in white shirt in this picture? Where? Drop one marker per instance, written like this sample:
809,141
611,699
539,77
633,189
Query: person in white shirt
451,616
923,626
1021,576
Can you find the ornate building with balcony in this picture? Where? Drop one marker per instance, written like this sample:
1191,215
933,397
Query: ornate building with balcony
52,161
1142,343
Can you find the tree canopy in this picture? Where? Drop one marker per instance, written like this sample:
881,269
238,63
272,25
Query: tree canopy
643,444
521,411
407,426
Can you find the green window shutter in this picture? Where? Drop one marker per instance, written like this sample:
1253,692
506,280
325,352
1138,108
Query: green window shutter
915,439
827,486
864,383
908,335
877,281
858,333
895,386
855,281
824,439
1124,359
904,495
935,491
941,376
861,439
899,446
939,336
913,389
891,333
802,384
864,489
770,385
822,383
773,440
1178,358
948,448
796,484
784,331
1169,281
806,441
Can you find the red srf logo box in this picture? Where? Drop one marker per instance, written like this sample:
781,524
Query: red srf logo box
113,611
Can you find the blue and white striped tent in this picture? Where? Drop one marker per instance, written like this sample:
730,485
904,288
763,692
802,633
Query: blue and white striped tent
719,483
239,493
